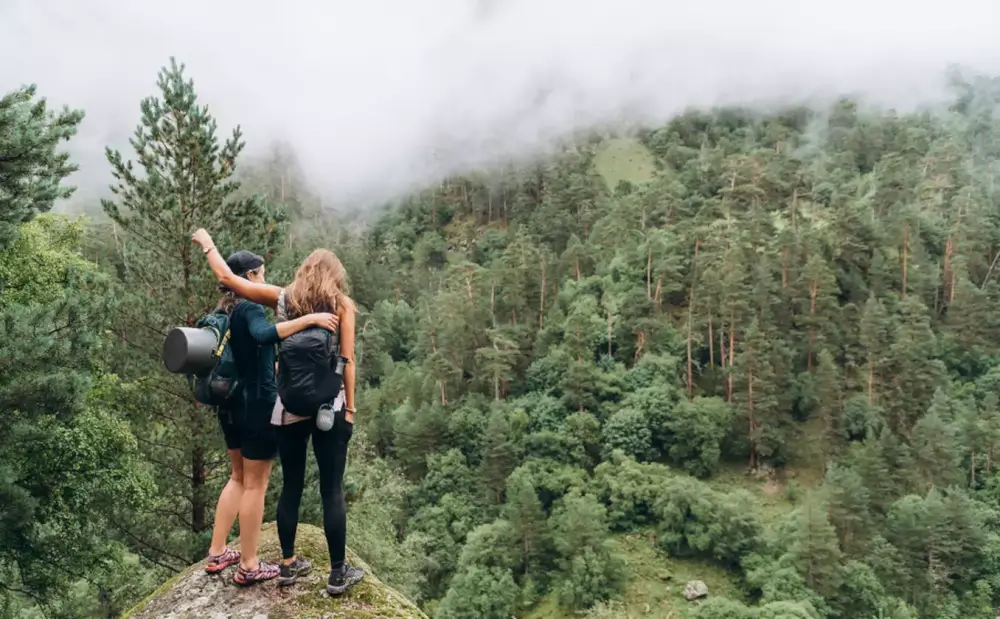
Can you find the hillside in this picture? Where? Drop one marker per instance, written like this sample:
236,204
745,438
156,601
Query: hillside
756,350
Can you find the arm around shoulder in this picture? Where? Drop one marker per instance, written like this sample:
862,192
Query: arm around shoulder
265,294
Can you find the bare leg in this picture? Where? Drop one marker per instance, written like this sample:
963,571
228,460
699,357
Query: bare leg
256,474
229,504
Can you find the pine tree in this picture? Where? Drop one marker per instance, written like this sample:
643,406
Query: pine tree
186,183
935,450
524,512
849,505
31,169
876,337
916,374
499,455
815,550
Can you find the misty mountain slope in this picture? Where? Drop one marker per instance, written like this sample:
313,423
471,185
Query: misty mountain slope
755,300
772,366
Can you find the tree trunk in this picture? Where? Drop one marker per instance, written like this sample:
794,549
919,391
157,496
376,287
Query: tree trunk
711,342
493,289
198,476
871,382
972,464
813,291
732,348
750,411
541,303
690,334
784,268
906,247
609,333
649,272
640,342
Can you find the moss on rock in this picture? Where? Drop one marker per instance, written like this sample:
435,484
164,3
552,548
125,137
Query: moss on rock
193,594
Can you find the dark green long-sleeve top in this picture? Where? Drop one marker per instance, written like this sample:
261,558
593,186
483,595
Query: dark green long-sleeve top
253,339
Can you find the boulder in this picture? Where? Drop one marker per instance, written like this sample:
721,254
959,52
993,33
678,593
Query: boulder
193,594
695,590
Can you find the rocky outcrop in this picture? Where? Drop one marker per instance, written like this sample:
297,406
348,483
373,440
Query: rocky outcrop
695,590
193,594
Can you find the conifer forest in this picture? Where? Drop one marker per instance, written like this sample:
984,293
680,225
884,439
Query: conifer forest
759,349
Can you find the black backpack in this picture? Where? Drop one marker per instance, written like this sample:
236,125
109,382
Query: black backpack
307,369
220,385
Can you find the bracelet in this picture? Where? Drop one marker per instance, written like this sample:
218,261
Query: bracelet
350,410
209,249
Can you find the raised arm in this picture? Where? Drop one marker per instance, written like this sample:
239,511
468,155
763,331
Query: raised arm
263,332
265,294
346,315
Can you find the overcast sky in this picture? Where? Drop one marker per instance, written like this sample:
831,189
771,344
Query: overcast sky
368,92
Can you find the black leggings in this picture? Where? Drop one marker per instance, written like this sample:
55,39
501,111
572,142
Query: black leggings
330,448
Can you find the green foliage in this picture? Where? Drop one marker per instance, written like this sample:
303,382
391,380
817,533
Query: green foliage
31,168
67,463
589,568
546,360
695,519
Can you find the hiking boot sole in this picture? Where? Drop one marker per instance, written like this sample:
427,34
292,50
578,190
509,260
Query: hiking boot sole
215,569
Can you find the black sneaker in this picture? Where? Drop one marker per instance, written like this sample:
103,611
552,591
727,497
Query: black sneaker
343,579
291,572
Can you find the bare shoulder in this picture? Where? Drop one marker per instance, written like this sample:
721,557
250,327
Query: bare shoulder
346,308
345,305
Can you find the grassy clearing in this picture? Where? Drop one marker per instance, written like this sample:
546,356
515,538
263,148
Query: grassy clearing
624,159
656,583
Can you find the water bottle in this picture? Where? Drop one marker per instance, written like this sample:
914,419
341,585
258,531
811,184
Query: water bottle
324,418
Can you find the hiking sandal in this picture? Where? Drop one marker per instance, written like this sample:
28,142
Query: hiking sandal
264,571
217,563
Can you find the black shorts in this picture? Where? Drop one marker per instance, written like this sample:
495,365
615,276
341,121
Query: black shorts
255,441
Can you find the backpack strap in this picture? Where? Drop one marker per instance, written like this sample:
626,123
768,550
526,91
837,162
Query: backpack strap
225,340
229,329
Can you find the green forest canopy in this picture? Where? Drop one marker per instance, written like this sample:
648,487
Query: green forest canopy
758,350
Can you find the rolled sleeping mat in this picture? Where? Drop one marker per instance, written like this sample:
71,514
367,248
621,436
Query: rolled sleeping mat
189,351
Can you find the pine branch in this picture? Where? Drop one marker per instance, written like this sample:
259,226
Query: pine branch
144,543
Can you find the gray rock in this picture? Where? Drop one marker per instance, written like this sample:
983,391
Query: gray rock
695,590
193,594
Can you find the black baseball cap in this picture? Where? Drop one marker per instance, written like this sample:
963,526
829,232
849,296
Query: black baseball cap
242,261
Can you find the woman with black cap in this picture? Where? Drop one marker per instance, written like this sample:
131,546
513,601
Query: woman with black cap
250,438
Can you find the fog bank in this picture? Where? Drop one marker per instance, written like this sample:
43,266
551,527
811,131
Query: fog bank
380,95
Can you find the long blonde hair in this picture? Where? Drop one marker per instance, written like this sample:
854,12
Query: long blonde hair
320,285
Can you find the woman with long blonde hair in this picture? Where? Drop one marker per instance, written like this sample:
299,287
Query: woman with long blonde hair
319,286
